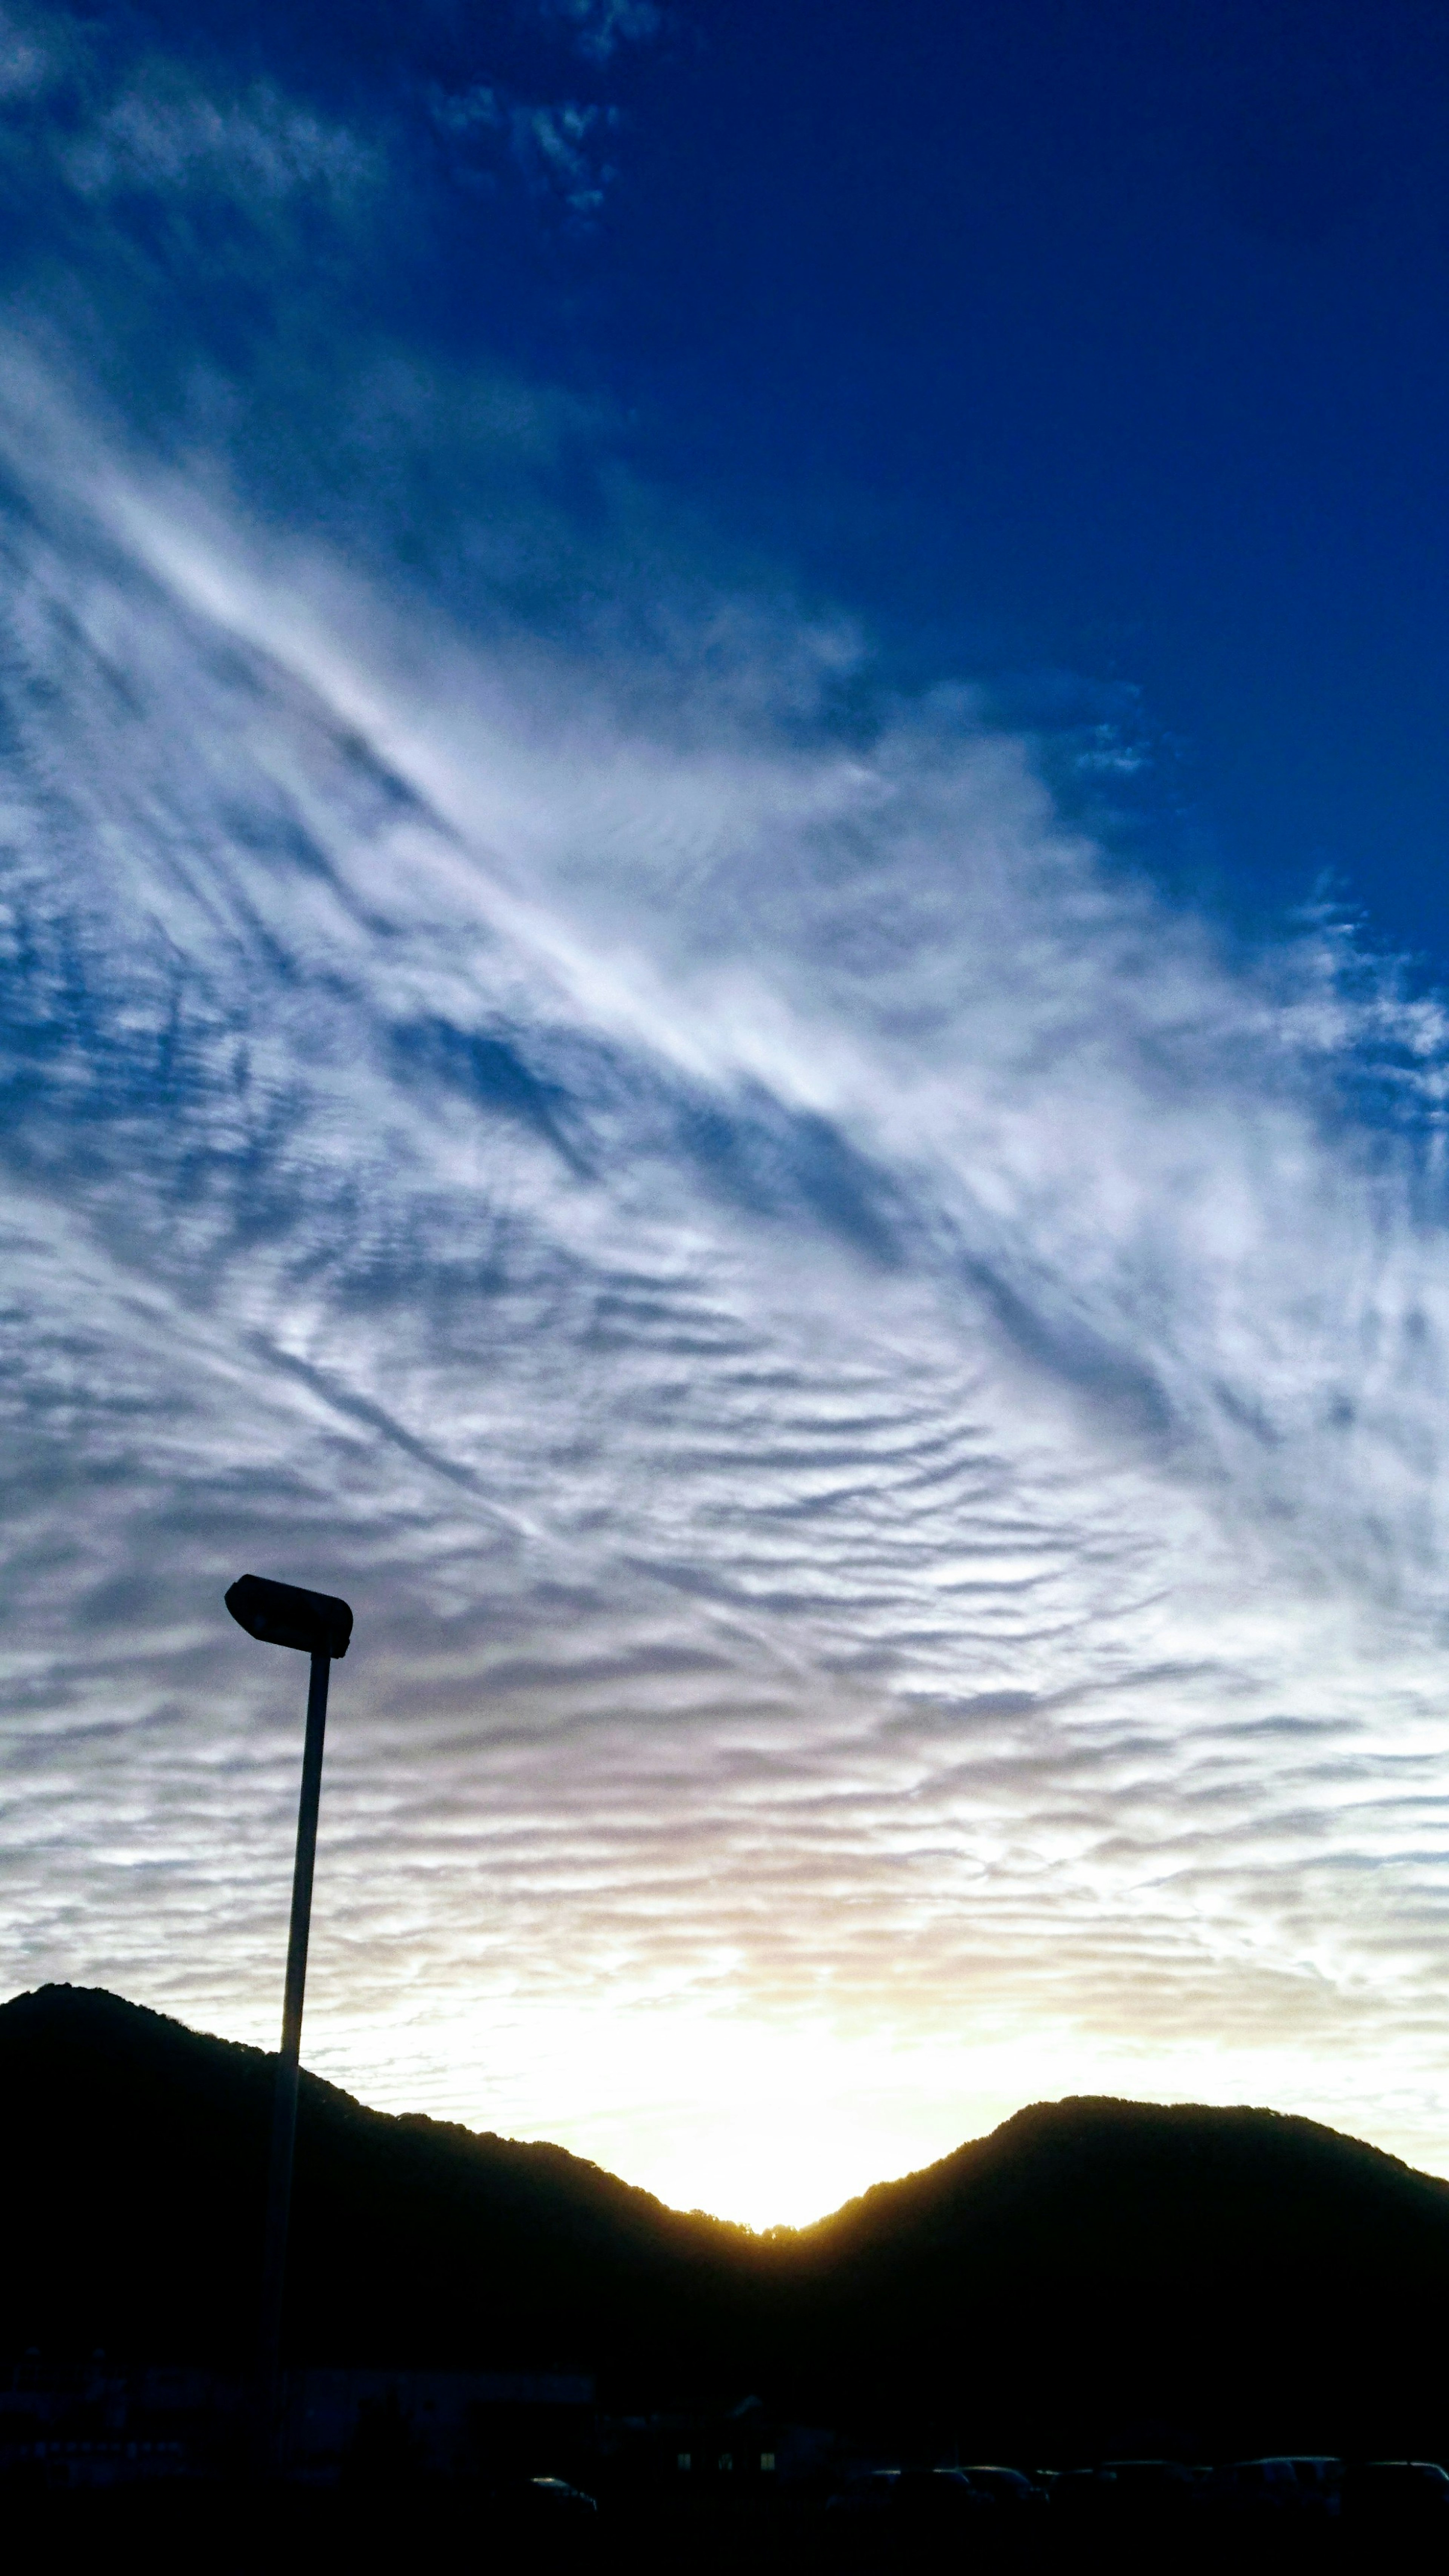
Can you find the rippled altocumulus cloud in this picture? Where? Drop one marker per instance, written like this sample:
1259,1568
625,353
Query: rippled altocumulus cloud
880,1396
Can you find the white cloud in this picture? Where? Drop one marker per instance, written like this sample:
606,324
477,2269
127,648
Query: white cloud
559,146
142,125
882,1413
163,133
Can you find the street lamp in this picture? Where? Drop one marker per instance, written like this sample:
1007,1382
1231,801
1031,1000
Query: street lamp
281,1614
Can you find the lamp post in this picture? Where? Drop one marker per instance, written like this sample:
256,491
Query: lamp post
315,1624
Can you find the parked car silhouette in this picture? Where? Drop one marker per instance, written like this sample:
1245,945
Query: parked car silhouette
1006,2486
1384,2496
556,2496
921,2498
1079,2492
1140,2491
1304,2482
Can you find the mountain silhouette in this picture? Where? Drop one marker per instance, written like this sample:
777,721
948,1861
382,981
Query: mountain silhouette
1107,2272
1093,2273
137,2148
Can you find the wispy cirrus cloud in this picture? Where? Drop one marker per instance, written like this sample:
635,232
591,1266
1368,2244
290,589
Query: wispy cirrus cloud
878,1389
558,146
162,134
600,27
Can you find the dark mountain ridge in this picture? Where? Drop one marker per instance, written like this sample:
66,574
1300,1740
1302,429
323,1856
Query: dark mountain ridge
138,2149
1238,2278
1141,2177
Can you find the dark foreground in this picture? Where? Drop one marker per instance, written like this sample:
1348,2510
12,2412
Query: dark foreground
205,2528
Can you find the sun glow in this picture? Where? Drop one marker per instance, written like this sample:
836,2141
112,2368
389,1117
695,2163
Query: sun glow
773,2126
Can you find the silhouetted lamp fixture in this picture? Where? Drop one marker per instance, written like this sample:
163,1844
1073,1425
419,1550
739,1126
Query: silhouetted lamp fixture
281,1614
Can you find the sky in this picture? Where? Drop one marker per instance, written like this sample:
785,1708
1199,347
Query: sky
724,938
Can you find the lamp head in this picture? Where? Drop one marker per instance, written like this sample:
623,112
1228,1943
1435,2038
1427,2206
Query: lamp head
282,1614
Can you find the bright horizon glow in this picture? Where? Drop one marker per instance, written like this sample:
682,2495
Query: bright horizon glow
769,2127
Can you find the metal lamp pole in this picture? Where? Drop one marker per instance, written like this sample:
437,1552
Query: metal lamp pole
317,1625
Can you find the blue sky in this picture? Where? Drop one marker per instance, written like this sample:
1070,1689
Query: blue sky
723,781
